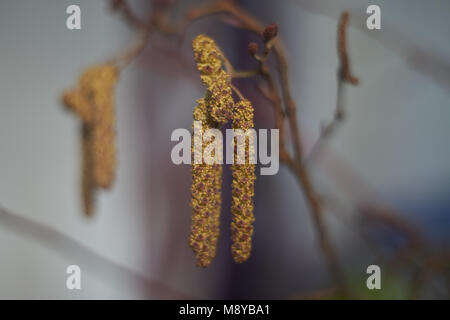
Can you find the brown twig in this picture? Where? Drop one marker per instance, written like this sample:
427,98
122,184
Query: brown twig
344,71
236,90
124,9
344,75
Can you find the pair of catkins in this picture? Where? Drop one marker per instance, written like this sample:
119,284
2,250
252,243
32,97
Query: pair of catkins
214,110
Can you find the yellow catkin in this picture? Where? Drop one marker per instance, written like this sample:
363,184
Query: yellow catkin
206,196
101,82
214,110
242,188
219,93
93,101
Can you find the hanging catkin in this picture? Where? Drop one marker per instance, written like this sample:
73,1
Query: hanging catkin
93,101
243,186
206,196
213,111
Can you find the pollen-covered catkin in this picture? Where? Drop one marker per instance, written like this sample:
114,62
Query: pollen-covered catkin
219,93
206,198
93,101
104,135
242,187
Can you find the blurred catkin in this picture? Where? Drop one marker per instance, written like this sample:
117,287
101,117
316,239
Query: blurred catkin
242,186
93,101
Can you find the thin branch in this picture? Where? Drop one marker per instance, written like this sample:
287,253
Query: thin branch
124,60
127,14
244,74
344,75
105,269
420,58
236,90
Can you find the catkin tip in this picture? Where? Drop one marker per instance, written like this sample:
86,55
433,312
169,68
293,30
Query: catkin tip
219,93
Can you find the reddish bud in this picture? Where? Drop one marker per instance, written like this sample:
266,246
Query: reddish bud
116,4
270,32
252,48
